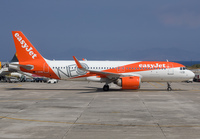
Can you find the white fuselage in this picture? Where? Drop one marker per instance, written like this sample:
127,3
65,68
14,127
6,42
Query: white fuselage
66,70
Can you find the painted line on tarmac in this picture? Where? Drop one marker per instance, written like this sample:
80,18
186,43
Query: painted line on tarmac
160,83
152,84
22,100
196,90
129,125
18,85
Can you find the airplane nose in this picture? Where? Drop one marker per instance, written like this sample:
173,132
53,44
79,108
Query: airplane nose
191,74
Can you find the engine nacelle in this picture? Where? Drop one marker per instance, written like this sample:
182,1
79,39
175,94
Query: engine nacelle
131,82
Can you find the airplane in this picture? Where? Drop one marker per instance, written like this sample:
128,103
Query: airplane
126,74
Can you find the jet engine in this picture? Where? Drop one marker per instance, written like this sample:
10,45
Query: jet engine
131,82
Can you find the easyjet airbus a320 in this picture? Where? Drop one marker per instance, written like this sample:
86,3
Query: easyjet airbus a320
126,74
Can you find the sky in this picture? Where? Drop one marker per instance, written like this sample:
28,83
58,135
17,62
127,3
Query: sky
104,29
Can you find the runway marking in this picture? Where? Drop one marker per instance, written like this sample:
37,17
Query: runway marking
196,90
22,100
152,84
153,125
160,83
18,85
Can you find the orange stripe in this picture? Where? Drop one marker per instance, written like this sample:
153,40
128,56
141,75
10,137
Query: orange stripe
136,67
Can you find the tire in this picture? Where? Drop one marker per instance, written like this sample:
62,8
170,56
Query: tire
169,89
106,88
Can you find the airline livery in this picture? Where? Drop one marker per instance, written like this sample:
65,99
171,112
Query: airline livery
126,74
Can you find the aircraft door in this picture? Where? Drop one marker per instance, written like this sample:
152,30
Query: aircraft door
121,69
170,69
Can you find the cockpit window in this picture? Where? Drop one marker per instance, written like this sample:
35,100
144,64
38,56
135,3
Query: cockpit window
183,68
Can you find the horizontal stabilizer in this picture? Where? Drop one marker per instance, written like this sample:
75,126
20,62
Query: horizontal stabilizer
27,67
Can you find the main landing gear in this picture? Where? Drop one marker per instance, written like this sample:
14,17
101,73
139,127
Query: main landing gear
106,87
169,86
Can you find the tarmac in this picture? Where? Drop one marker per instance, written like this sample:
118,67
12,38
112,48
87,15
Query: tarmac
82,110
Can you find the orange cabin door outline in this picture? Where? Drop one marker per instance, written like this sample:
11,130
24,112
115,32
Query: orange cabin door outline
121,69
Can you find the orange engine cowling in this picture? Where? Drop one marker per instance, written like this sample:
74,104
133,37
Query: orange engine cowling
131,82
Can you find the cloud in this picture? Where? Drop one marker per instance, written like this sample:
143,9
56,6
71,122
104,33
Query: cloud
184,14
189,19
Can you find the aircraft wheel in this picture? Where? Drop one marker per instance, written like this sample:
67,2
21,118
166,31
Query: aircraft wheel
169,86
106,88
169,89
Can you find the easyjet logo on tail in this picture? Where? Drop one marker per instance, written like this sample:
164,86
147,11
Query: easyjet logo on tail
25,46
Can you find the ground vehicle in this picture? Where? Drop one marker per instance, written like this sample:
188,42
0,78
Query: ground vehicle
190,81
52,81
40,79
197,77
12,80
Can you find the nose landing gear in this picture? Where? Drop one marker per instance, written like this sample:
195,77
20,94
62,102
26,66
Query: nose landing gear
169,86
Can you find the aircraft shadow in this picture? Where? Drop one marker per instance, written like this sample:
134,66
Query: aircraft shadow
95,90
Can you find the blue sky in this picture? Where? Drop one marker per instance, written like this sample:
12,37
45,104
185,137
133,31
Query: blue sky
104,29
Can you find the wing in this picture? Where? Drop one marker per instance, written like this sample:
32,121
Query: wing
109,75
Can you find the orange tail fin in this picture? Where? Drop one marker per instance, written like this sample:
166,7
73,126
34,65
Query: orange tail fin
28,56
25,50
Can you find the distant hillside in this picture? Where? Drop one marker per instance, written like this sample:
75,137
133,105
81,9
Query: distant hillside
196,66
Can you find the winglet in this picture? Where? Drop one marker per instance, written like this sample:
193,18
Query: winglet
78,63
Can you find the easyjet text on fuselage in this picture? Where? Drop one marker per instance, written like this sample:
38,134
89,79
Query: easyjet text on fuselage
156,65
